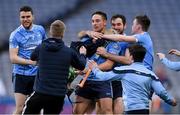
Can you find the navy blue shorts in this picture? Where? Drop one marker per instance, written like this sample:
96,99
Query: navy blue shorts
23,84
140,111
117,89
94,90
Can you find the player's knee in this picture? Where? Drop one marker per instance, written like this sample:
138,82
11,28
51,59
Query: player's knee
106,110
118,109
77,110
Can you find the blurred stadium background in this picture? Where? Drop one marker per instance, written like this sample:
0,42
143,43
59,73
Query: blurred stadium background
164,30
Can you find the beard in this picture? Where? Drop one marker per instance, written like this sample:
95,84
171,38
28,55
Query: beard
120,32
27,26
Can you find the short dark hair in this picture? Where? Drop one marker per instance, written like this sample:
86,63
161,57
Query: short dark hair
144,21
119,16
104,16
26,9
137,51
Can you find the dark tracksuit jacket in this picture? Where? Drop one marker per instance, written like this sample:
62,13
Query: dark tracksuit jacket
54,59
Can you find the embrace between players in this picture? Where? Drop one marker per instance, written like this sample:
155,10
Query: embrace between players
121,79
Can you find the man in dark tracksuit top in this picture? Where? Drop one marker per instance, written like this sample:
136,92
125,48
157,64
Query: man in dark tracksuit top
54,60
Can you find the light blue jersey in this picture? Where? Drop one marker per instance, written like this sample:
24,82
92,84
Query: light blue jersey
112,47
26,41
122,50
170,64
144,39
138,82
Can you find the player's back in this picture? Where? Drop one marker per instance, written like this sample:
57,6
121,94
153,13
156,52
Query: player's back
136,83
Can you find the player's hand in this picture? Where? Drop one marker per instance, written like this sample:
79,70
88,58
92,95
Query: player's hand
30,62
174,102
101,51
82,72
34,62
174,51
94,35
92,64
82,50
160,55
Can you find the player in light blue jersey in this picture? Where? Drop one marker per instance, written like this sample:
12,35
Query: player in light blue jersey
94,90
137,81
22,42
168,63
141,36
118,25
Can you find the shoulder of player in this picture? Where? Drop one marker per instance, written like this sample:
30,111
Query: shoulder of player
38,27
16,32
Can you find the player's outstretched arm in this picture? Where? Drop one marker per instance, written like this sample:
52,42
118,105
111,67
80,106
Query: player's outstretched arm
117,37
162,92
91,34
102,76
170,64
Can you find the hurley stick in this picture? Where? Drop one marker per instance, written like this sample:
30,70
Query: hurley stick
81,84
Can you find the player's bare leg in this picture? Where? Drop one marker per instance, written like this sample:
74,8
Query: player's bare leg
20,100
81,105
118,106
105,106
